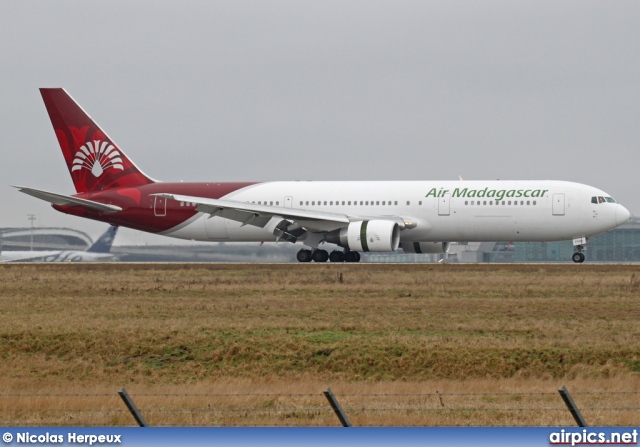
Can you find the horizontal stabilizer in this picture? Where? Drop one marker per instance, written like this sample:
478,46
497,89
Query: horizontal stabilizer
62,200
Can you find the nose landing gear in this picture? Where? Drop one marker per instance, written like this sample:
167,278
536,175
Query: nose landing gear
579,244
578,257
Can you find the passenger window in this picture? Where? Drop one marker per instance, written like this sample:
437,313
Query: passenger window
534,202
528,202
484,203
408,203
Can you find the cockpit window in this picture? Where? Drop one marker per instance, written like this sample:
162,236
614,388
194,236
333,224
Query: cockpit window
594,200
610,199
600,199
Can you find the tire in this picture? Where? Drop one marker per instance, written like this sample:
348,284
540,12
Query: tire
351,256
304,255
320,256
336,256
578,257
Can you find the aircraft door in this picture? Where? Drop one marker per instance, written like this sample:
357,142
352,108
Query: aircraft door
160,206
288,201
558,205
444,205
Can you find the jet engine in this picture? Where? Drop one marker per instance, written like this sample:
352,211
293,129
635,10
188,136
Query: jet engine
425,247
367,235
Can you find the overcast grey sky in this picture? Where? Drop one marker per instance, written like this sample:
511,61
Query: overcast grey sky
325,90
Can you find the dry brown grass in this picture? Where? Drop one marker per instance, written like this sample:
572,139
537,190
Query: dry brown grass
384,338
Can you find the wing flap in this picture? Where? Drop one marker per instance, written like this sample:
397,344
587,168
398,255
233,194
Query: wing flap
246,217
260,215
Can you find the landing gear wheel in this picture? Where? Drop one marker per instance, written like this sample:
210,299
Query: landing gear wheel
320,256
304,255
578,257
336,256
352,256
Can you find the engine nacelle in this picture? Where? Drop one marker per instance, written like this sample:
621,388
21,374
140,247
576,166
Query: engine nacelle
425,247
367,235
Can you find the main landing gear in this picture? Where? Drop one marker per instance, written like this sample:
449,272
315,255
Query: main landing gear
305,255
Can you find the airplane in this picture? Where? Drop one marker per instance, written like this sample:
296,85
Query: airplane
98,252
356,216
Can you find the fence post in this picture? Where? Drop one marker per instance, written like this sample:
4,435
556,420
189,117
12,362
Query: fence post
573,408
132,408
337,408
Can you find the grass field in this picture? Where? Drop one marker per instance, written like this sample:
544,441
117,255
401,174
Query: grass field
398,344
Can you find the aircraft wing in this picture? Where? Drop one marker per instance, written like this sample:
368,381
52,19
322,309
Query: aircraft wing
59,199
260,215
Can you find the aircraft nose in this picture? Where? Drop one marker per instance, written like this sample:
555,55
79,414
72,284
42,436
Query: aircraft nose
622,215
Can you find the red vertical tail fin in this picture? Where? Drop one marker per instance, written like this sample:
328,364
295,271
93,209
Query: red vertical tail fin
95,162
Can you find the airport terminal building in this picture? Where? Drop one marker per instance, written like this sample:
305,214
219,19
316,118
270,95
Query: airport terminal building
43,238
619,245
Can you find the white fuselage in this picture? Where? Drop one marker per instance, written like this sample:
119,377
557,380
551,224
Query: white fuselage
441,210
